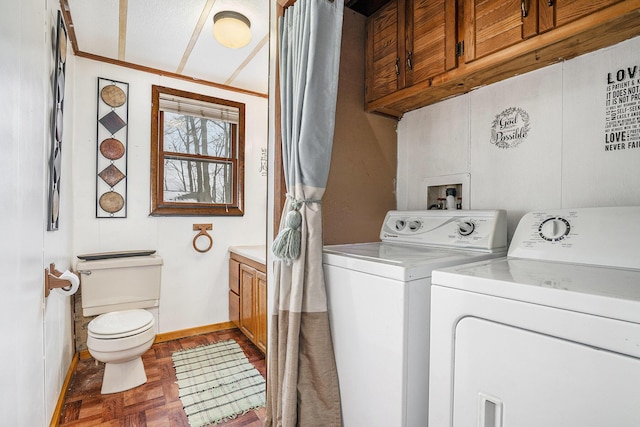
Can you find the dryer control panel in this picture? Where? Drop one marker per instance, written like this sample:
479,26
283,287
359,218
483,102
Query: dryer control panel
606,236
469,229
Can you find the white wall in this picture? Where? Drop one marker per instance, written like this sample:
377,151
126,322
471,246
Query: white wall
562,163
194,285
36,332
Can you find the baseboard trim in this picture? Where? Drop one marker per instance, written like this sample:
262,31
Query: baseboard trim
55,419
184,333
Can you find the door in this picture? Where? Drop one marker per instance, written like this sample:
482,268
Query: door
385,42
512,377
492,25
430,39
234,291
248,321
570,10
261,310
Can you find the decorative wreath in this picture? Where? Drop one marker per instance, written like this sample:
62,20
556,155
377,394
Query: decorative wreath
515,112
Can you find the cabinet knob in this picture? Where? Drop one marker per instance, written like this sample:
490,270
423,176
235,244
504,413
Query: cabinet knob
409,60
523,6
397,67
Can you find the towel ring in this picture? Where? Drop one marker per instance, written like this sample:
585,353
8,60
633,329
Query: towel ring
203,232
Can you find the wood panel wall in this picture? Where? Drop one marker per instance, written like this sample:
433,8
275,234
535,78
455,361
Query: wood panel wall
360,189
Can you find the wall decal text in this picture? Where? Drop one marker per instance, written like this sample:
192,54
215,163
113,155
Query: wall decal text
510,128
622,109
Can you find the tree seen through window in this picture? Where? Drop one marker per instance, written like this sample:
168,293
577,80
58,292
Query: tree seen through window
203,180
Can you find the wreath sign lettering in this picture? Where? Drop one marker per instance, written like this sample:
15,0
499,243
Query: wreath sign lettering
510,128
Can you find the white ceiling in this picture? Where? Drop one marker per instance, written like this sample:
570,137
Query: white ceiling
175,36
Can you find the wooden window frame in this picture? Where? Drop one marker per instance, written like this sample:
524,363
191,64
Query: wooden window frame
160,207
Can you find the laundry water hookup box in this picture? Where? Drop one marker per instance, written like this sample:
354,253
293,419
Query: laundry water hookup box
438,188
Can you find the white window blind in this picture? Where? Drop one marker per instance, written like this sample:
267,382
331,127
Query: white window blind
195,108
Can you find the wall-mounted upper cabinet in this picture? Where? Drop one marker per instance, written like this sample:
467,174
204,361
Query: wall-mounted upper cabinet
408,42
493,25
420,52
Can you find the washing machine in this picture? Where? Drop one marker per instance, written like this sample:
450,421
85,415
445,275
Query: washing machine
378,304
547,336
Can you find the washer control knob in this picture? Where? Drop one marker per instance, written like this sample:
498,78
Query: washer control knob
414,225
465,228
400,224
554,229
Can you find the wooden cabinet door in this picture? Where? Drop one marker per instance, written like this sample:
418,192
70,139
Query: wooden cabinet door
261,311
234,275
234,291
234,308
430,39
385,41
247,311
492,25
555,13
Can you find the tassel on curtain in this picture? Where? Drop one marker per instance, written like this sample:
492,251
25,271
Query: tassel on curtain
286,246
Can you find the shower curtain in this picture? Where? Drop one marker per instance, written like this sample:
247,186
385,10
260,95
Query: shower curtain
303,382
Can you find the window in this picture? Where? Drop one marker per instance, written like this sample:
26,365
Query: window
197,154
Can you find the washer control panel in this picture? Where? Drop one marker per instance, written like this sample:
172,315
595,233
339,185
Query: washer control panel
482,230
603,236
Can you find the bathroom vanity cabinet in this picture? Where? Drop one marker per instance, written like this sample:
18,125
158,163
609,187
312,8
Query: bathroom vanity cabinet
248,293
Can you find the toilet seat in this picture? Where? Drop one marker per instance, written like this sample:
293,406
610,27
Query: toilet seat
120,324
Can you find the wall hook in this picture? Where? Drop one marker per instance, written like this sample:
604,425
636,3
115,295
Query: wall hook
203,232
53,280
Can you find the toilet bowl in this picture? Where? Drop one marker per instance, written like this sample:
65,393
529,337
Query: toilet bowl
119,339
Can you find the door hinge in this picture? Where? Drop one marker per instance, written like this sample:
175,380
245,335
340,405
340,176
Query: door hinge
460,48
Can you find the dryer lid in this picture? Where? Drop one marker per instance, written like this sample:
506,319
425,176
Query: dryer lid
121,323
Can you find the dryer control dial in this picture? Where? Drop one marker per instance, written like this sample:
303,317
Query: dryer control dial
415,225
554,229
465,228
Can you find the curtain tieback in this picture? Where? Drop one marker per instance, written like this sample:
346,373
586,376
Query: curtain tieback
286,245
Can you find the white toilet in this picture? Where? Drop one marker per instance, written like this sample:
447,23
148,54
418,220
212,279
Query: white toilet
119,289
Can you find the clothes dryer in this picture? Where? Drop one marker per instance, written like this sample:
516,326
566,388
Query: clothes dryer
548,336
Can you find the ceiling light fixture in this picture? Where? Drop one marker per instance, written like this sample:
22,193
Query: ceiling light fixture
231,29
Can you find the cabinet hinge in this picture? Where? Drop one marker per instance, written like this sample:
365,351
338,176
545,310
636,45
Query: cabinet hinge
460,48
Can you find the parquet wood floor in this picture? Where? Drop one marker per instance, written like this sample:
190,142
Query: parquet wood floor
154,404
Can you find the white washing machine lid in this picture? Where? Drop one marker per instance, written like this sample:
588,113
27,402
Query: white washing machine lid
398,261
603,291
119,324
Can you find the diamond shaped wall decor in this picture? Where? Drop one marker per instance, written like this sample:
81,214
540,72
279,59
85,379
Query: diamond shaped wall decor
111,175
113,122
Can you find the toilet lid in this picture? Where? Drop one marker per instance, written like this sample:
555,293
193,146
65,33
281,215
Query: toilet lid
118,324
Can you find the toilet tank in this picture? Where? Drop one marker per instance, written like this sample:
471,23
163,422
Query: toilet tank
119,283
